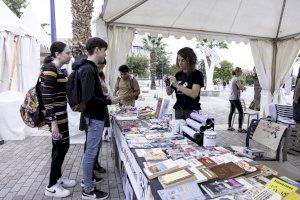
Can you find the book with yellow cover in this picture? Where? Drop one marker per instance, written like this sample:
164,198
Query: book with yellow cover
292,196
177,178
155,156
280,187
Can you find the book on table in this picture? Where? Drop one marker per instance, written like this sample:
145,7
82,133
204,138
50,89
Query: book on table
210,175
281,187
222,187
160,168
178,177
142,152
207,162
155,156
227,170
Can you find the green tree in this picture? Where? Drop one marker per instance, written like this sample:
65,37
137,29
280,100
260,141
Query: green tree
155,46
173,70
248,77
138,66
163,65
17,6
224,72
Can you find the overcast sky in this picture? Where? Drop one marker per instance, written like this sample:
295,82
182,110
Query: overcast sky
239,54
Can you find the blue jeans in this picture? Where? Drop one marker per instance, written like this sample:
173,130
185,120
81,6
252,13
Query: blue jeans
93,141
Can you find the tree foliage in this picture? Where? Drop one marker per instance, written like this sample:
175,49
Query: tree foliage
17,6
156,47
138,66
163,65
214,44
224,72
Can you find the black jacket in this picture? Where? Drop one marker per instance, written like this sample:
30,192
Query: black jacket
92,95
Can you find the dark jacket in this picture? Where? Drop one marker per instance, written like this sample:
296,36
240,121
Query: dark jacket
92,95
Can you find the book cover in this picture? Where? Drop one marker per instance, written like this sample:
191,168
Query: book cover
207,162
155,156
142,152
160,168
227,170
280,187
292,196
177,178
208,173
186,191
222,187
248,167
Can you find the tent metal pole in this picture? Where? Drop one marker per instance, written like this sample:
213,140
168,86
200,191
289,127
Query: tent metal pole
296,35
275,49
127,10
280,20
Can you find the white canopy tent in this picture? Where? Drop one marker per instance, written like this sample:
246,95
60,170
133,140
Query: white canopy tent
19,68
271,27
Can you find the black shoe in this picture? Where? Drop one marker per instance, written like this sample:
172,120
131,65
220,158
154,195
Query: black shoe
95,194
100,170
96,180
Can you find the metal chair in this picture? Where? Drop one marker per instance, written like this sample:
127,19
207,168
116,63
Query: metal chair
293,146
246,112
284,114
283,142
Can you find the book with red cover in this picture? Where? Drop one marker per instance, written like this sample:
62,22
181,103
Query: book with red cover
207,162
227,170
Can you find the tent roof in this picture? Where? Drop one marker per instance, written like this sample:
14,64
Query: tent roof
29,20
227,19
9,21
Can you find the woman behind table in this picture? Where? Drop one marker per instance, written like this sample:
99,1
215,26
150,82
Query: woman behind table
235,92
53,89
187,84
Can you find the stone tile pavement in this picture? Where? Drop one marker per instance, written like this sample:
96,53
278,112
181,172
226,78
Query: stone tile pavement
25,165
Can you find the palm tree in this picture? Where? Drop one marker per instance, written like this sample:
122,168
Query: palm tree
155,46
82,11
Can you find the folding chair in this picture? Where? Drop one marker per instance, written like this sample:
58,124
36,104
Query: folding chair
246,112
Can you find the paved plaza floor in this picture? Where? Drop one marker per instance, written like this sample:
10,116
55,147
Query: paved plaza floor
24,165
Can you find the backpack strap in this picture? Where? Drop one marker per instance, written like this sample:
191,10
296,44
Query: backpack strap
131,84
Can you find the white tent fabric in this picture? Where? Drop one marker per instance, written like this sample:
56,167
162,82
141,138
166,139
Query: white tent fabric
29,20
119,41
286,55
231,19
272,75
262,52
9,21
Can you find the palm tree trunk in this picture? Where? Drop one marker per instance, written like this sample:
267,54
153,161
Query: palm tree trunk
82,11
153,61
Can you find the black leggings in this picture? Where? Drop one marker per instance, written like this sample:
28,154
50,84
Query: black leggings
236,104
59,151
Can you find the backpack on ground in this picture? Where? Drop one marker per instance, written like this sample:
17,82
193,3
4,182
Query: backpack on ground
32,110
74,92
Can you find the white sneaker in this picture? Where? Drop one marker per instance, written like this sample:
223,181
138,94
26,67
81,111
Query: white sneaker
57,191
66,183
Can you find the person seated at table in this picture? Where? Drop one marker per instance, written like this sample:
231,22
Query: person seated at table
127,88
187,84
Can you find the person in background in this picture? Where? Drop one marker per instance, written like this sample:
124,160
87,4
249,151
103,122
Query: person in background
255,104
127,88
296,106
54,97
186,84
235,103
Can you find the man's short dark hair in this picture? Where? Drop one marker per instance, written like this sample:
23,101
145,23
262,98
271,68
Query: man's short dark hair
124,68
94,42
